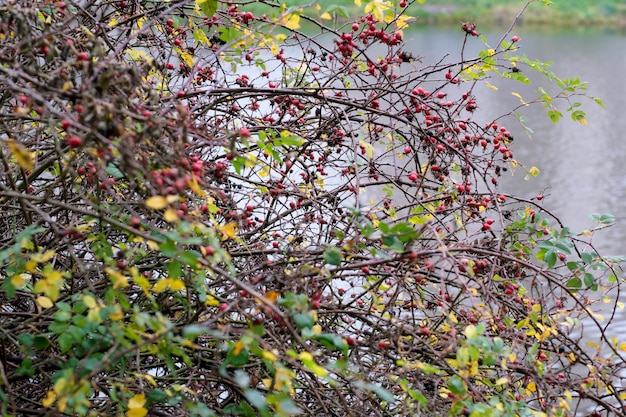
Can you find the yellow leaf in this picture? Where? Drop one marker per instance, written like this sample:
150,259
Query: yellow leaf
265,171
199,35
591,344
89,301
176,284
49,400
369,149
17,280
268,355
185,56
272,296
136,406
195,187
161,285
170,216
239,346
493,87
116,315
520,98
44,302
292,21
531,386
137,401
119,280
582,121
112,22
326,16
357,2
22,155
228,230
156,202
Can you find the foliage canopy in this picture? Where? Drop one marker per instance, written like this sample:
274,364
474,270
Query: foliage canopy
207,211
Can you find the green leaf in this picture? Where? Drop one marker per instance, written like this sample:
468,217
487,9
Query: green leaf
295,301
303,320
26,339
332,255
239,359
393,243
114,171
554,115
208,7
456,385
157,396
65,341
589,280
174,268
332,341
192,331
41,342
26,368
574,283
382,393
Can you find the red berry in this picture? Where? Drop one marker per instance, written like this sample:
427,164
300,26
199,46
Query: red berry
82,56
134,222
515,39
65,124
413,176
407,149
74,141
244,132
355,27
540,197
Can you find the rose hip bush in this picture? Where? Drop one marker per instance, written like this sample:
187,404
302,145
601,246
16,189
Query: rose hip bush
210,210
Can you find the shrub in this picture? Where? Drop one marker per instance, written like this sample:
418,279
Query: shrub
211,212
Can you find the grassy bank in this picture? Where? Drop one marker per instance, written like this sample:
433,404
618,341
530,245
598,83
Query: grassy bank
559,13
563,13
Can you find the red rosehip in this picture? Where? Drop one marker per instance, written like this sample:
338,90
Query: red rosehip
74,141
413,176
82,56
515,39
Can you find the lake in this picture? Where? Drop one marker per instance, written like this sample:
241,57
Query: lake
583,167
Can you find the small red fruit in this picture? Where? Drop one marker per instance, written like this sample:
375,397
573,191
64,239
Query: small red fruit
355,27
134,222
413,176
65,124
244,132
82,56
515,39
74,141
540,197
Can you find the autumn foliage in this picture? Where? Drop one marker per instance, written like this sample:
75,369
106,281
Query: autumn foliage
207,210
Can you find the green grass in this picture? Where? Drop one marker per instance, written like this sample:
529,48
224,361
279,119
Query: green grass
561,13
